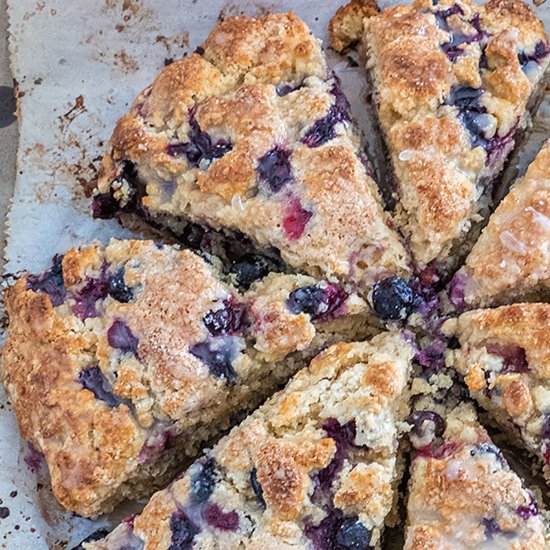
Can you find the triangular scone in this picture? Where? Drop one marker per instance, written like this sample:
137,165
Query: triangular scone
316,467
453,84
123,360
504,356
462,493
252,135
511,259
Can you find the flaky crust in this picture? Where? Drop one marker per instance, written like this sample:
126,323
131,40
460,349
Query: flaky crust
104,374
504,356
257,87
511,259
286,446
346,26
467,497
442,175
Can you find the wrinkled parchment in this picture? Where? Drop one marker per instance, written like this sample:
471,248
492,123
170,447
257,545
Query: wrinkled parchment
78,65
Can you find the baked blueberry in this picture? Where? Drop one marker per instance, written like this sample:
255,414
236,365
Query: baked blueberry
251,268
118,289
421,421
183,531
316,301
393,299
274,168
203,482
122,338
218,355
229,319
50,282
514,358
93,379
256,487
351,534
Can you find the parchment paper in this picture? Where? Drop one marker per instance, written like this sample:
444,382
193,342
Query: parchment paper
78,65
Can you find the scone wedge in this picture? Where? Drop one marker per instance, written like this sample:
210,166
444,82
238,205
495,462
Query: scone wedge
454,84
504,356
316,467
462,493
250,138
123,360
511,260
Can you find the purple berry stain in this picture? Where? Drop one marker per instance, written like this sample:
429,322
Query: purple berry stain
274,168
320,303
324,129
231,318
217,518
122,338
295,219
183,531
93,379
513,357
50,282
218,355
200,147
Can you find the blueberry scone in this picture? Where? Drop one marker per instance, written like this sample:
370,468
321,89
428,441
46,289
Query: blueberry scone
511,259
462,493
454,84
504,356
316,467
123,360
250,137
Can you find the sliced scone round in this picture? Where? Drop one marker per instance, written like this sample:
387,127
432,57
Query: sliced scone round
316,467
454,84
511,259
250,137
504,356
123,360
462,493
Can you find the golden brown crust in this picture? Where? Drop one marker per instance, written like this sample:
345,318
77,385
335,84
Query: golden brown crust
511,259
504,356
346,26
285,444
259,85
418,76
454,495
101,440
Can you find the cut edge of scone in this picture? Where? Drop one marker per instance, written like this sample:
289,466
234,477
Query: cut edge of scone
503,355
511,259
317,462
443,207
273,159
462,492
123,360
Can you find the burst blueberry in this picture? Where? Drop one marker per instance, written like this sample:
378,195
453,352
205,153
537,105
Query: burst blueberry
118,289
50,282
320,303
351,534
274,168
250,268
421,421
200,147
203,482
513,357
256,487
183,531
393,299
121,337
231,318
218,355
93,379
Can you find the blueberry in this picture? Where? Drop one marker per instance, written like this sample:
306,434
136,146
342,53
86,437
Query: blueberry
540,51
256,487
432,356
417,419
351,534
393,299
491,527
200,145
218,354
324,129
250,268
93,379
118,290
217,518
122,338
96,535
50,281
203,482
183,531
85,300
320,303
104,206
530,509
513,357
545,430
229,319
274,168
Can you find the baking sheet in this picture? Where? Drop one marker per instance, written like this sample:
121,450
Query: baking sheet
78,65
